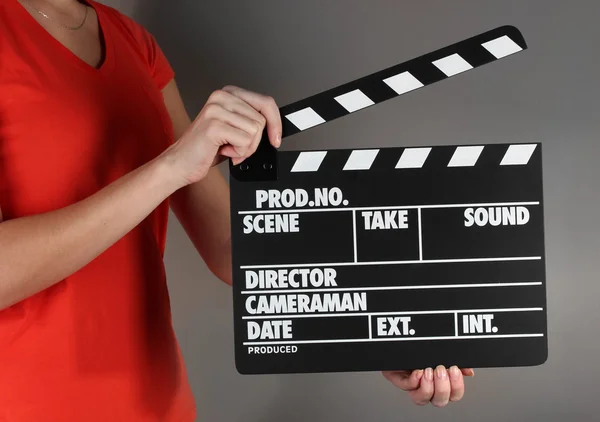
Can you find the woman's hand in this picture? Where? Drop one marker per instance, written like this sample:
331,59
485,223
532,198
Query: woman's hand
436,386
230,124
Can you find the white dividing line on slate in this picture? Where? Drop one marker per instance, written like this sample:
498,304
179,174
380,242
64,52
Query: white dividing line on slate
375,288
420,237
358,314
392,207
354,235
456,324
367,340
428,261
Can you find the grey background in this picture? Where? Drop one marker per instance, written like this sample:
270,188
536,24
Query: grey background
549,94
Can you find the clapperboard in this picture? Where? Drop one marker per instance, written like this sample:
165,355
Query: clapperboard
390,258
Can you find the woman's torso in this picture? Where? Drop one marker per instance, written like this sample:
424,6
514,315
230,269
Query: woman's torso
99,345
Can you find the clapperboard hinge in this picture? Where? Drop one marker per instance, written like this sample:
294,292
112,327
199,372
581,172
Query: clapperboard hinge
381,86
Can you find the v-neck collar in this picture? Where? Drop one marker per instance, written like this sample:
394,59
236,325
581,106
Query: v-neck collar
56,45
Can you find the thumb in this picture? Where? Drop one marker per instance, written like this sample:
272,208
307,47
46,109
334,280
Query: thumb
404,380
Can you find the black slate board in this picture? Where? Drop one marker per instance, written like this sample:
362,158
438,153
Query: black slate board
389,258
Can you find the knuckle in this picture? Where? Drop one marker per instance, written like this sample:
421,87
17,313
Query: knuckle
217,95
258,127
427,392
262,120
269,100
213,128
442,393
210,109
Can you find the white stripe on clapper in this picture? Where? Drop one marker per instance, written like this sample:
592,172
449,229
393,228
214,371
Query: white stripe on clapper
465,156
413,158
309,161
305,118
403,82
354,100
517,155
502,47
361,159
452,65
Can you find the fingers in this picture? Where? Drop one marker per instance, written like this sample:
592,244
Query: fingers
246,111
457,384
236,105
405,380
441,395
436,386
243,122
266,106
236,142
468,372
424,393
253,128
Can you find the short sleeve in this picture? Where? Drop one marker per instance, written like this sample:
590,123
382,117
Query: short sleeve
159,66
151,53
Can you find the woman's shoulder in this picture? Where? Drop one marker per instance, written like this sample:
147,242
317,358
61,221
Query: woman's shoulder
130,31
142,41
126,25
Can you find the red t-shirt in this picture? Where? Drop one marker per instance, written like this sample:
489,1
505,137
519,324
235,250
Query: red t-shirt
99,345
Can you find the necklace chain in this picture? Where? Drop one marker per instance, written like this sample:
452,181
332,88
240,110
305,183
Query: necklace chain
72,28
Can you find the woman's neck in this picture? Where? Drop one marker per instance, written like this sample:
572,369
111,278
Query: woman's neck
59,9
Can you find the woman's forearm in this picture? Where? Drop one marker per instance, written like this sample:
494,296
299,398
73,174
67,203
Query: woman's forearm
40,250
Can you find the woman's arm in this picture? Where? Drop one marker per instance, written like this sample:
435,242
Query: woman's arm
39,251
202,208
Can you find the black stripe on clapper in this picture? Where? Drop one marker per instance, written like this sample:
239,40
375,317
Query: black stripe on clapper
422,71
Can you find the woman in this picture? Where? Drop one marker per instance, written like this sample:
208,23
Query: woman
95,145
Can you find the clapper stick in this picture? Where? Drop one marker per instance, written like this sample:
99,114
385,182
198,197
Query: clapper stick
389,258
379,87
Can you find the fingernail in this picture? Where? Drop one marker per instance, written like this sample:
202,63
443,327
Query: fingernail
441,373
418,374
278,140
454,373
429,374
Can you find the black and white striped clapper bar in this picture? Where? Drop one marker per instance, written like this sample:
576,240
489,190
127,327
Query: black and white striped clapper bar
390,258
